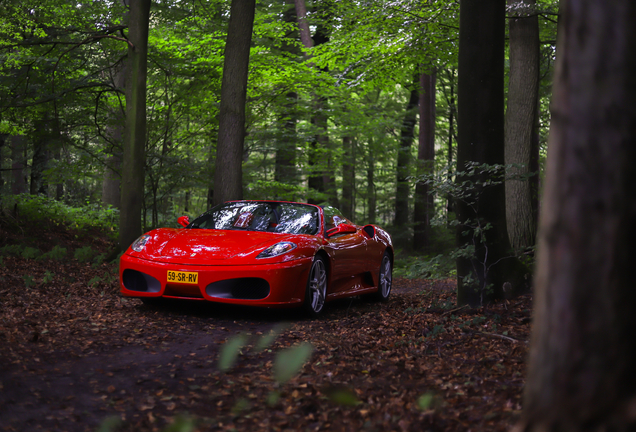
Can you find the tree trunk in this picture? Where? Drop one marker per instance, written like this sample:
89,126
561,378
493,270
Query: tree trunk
228,173
371,191
407,134
481,278
521,127
583,351
424,206
40,159
18,164
348,177
111,183
132,187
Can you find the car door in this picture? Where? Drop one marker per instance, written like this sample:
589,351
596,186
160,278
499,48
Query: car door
347,252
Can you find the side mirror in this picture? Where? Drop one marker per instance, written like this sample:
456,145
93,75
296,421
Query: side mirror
184,221
341,229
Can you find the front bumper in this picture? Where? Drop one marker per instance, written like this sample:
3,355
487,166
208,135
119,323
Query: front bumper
268,285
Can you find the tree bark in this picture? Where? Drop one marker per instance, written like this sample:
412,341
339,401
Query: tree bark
18,164
348,177
424,206
111,183
521,127
583,351
481,278
41,156
404,160
132,187
228,174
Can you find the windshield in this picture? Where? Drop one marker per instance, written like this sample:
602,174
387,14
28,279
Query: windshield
287,218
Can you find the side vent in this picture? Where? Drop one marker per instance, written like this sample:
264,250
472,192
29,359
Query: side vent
369,230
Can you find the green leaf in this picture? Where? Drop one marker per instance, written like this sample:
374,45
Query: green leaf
230,351
290,361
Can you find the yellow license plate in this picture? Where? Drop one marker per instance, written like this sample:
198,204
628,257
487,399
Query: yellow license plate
183,277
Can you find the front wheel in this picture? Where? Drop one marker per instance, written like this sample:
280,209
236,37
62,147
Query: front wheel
316,291
385,280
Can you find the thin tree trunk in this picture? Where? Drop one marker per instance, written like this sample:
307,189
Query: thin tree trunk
583,350
228,173
404,160
18,164
521,136
40,159
132,187
371,191
111,183
424,206
348,177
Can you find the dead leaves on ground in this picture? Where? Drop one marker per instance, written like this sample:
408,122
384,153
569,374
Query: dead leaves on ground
414,363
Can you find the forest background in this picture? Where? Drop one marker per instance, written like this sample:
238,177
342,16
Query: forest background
362,115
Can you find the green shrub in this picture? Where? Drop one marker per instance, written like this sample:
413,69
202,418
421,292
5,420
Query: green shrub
84,254
58,253
30,253
11,250
37,207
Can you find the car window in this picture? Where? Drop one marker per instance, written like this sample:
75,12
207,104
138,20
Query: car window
287,218
333,217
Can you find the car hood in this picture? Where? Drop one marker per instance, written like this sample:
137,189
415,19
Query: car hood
206,246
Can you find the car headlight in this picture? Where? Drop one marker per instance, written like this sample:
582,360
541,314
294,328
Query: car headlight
277,249
140,243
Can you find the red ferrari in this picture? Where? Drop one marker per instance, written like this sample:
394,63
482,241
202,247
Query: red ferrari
260,253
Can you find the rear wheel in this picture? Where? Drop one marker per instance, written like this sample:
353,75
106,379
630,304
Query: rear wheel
316,291
385,280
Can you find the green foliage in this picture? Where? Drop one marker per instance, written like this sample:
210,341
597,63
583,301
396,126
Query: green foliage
30,253
94,281
230,352
286,364
11,250
291,360
48,277
440,266
29,281
36,208
58,253
84,254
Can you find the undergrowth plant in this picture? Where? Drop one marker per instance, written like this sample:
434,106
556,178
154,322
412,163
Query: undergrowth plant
35,208
474,180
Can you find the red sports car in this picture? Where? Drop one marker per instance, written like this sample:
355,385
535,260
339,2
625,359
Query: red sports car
261,253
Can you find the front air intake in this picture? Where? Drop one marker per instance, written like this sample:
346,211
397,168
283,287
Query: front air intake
239,288
137,281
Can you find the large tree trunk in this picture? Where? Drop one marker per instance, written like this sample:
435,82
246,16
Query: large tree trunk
583,350
228,173
132,187
424,206
521,128
404,160
481,140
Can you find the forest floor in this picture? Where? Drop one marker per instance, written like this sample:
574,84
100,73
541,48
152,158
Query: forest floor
76,356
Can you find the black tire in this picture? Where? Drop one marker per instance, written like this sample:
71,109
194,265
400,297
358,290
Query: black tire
316,291
385,279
